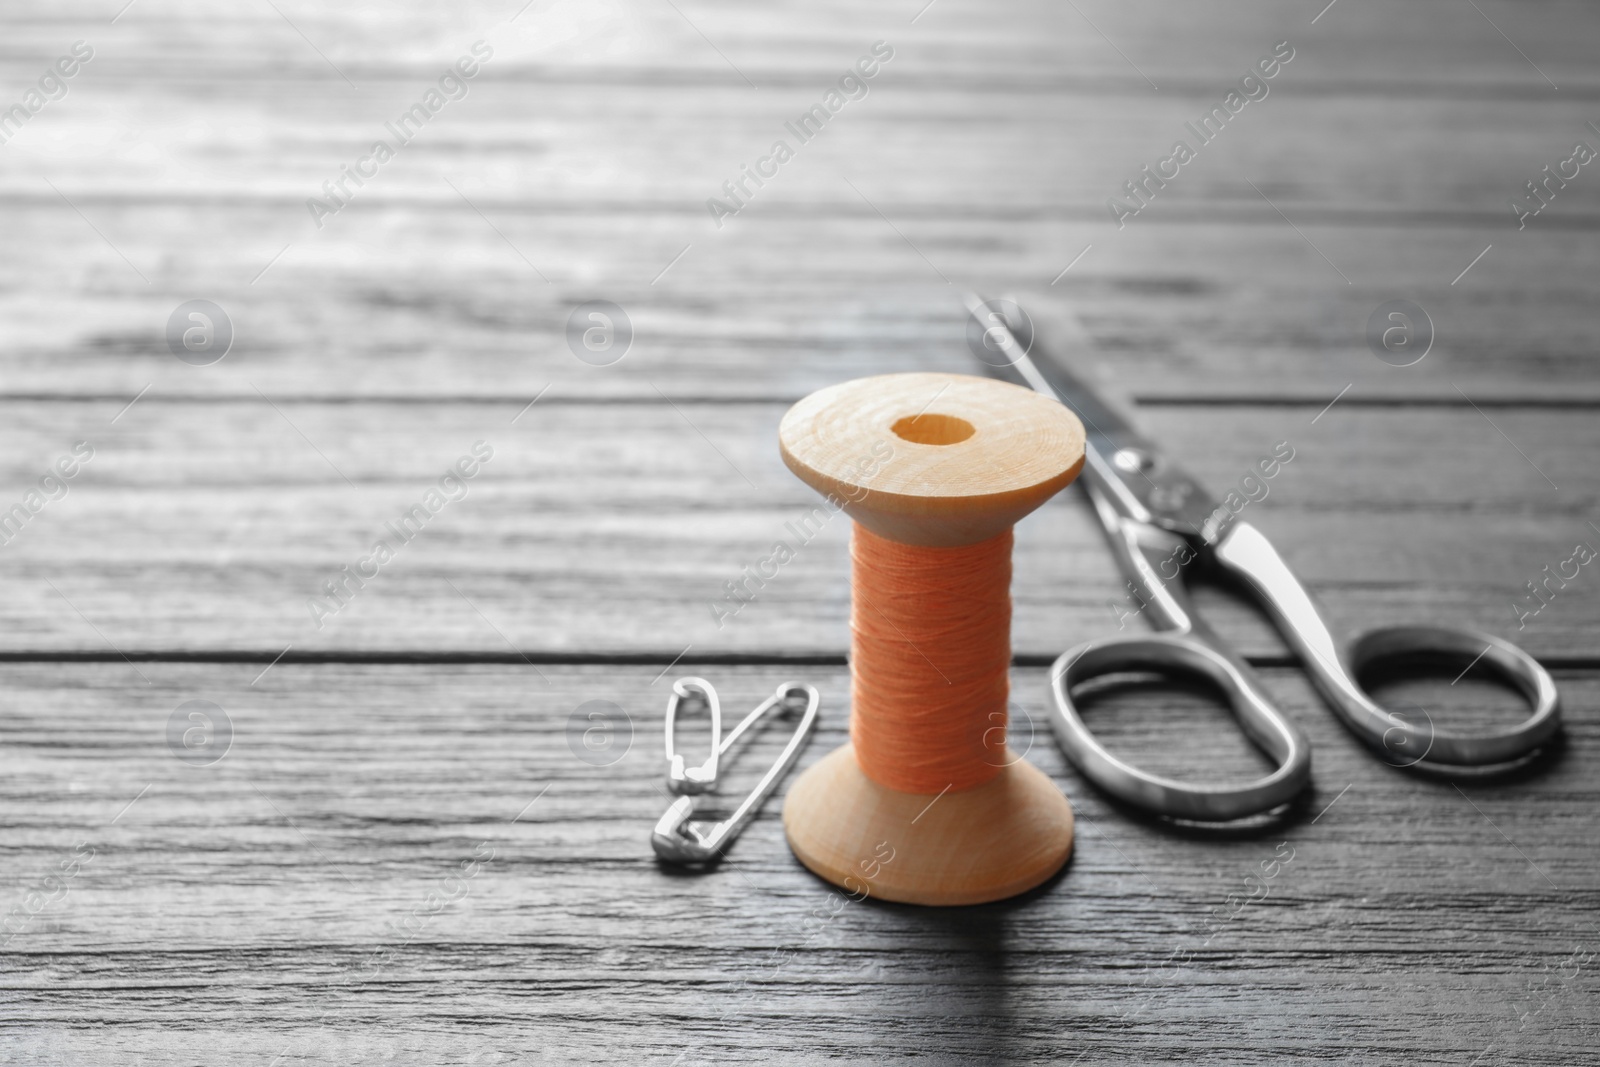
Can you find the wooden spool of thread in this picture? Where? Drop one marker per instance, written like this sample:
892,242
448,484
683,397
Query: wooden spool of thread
927,805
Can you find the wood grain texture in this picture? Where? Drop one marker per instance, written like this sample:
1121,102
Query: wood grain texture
231,906
301,900
979,845
615,528
1228,309
933,460
590,167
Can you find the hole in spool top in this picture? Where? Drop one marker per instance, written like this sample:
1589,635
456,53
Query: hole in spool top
930,429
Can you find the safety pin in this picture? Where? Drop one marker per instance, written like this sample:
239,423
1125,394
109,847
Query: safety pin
688,780
678,837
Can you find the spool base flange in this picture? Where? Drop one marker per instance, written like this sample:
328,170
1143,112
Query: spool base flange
968,846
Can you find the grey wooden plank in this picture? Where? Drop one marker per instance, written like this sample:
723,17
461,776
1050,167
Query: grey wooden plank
229,907
410,291
1209,307
525,146
615,528
215,919
1423,44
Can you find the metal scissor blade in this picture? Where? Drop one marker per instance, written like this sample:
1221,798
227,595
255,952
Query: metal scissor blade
1007,359
1127,467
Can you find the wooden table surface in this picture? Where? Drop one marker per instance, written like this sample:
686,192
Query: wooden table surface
401,857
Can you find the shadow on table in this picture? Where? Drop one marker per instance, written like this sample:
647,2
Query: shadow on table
968,999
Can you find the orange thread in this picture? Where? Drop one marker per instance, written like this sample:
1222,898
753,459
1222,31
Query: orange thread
931,656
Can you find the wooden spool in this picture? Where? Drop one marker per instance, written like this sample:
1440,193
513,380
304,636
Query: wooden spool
966,458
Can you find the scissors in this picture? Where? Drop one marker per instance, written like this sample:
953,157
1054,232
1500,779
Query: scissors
1154,513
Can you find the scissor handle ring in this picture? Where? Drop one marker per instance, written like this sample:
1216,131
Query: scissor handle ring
1440,748
1262,723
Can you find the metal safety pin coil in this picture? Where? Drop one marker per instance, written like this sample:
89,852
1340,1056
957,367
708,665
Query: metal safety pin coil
680,838
687,780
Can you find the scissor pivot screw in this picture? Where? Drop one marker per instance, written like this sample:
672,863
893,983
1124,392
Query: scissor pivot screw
1133,460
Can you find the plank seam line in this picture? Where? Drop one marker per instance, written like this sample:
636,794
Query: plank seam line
576,659
1142,399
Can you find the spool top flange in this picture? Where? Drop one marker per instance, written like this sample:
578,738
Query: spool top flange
936,460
